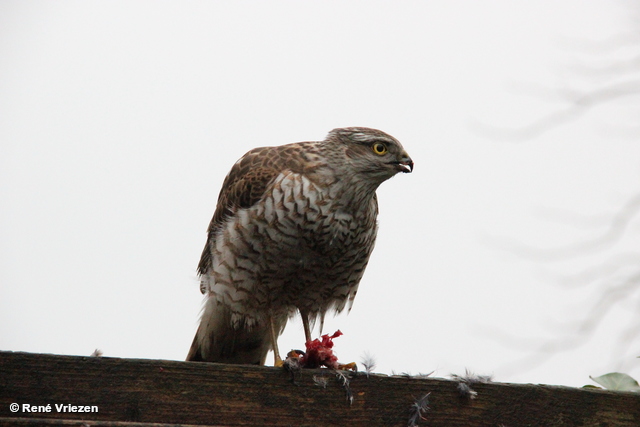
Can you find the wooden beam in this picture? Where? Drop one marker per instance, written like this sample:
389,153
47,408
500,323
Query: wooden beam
131,391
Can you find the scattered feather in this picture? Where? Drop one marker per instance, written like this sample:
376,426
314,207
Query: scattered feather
410,375
292,364
422,376
418,410
466,391
342,379
467,380
320,381
369,363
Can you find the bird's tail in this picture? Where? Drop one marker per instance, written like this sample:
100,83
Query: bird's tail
217,340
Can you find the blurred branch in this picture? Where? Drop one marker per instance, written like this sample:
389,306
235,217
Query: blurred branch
619,131
571,218
604,46
578,335
630,65
617,227
603,272
615,282
579,104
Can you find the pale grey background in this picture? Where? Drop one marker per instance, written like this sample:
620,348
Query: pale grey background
119,121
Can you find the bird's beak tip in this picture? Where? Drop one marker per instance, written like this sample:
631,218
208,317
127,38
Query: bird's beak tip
407,165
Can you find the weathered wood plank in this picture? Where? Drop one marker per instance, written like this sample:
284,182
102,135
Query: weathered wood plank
162,391
51,422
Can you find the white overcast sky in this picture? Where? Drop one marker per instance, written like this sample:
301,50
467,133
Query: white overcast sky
120,119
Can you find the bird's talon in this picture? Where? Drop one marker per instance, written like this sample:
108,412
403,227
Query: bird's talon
295,354
348,367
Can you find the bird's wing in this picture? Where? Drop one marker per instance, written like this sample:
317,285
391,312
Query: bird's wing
247,182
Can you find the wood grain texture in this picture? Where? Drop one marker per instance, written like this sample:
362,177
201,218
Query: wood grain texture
171,392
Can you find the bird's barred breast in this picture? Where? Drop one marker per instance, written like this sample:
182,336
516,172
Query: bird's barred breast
293,249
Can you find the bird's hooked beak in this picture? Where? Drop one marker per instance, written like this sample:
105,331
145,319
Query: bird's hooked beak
405,165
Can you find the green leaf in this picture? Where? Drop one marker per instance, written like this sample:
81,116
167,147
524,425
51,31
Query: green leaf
617,381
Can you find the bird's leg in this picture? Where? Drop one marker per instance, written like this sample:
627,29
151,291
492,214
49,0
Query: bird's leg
277,361
305,324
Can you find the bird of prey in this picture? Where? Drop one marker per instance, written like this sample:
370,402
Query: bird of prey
292,232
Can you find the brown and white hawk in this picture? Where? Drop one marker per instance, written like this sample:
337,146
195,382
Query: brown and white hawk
292,232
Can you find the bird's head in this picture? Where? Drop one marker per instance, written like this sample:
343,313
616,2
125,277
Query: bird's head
371,152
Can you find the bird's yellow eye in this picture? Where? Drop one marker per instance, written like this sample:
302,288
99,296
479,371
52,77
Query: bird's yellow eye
379,148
